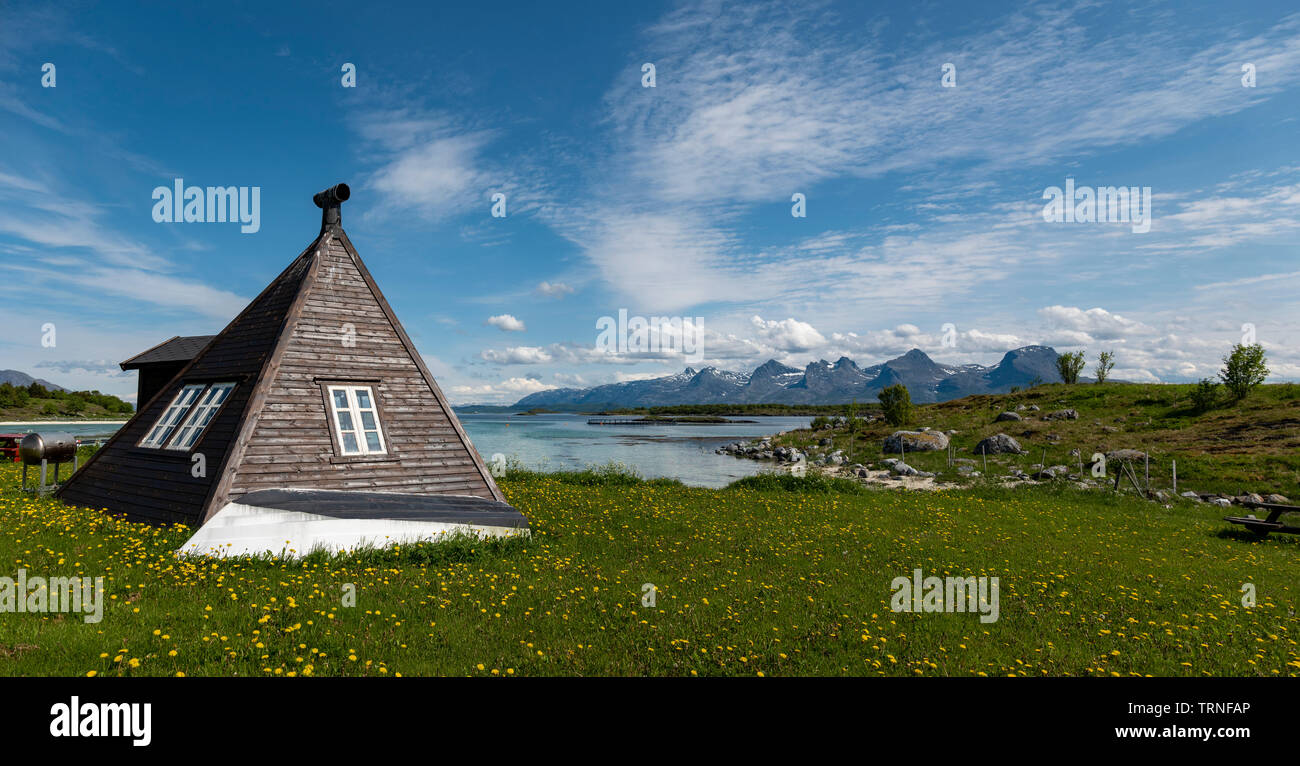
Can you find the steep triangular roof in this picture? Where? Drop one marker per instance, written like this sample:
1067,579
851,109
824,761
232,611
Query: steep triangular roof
322,321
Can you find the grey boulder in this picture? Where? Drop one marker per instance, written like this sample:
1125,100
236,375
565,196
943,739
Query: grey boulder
998,444
915,441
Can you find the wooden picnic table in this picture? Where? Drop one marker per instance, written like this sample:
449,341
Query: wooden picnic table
1262,527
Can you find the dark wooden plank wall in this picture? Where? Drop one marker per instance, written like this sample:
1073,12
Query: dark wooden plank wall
292,443
157,485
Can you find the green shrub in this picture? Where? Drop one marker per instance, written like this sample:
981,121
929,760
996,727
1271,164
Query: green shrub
1069,366
13,396
896,403
1243,369
1205,395
1105,363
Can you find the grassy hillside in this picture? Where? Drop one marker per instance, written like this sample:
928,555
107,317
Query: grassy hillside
35,402
1250,445
750,580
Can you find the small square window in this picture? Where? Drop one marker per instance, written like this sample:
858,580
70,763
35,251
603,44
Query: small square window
355,420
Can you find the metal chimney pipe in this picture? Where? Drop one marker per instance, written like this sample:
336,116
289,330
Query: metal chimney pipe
329,201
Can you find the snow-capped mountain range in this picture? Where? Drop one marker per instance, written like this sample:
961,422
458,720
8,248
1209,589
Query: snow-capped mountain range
821,382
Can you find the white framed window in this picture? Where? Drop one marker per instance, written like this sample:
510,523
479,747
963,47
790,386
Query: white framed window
356,420
166,424
200,415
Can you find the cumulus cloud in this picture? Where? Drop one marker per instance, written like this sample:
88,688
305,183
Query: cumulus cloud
506,323
1151,348
989,341
517,355
512,386
1095,323
788,334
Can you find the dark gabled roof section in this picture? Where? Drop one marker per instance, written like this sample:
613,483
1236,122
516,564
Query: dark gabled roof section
155,486
178,348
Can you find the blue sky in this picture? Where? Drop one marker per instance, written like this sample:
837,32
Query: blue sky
924,202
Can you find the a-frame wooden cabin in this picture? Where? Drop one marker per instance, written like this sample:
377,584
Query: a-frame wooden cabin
312,401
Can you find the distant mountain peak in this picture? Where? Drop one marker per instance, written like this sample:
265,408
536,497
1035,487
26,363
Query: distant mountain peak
773,367
20,378
1030,351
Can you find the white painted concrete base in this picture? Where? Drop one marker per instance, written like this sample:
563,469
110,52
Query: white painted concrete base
239,530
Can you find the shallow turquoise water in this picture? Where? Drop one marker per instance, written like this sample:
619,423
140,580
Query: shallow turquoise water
559,442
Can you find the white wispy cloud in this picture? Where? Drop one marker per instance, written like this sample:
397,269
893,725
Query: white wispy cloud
757,101
1253,280
72,242
439,165
554,289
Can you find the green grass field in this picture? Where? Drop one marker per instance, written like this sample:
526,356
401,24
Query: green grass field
1252,445
775,576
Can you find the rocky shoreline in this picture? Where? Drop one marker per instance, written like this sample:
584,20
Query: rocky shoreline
895,472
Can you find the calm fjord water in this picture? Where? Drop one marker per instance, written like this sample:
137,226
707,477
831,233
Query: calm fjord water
563,442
